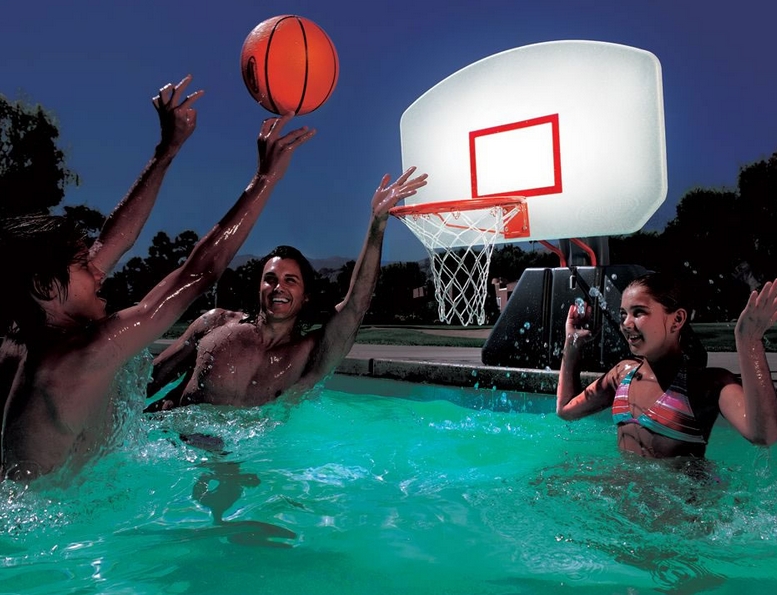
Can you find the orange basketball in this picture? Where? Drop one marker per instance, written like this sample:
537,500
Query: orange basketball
289,64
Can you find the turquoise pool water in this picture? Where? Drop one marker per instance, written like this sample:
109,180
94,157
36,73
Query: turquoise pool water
371,486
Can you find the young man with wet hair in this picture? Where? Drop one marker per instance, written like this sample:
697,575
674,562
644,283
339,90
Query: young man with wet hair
60,357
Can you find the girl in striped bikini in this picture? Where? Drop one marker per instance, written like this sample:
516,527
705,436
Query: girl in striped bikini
663,403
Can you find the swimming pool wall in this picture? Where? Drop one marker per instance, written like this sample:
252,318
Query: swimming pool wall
480,379
461,375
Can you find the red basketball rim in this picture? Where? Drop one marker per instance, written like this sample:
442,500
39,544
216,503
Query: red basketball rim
467,204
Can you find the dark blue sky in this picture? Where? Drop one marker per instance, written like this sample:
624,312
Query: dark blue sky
96,65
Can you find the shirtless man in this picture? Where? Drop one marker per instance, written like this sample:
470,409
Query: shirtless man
59,411
229,358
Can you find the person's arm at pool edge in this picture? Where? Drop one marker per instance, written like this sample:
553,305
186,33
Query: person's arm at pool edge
180,358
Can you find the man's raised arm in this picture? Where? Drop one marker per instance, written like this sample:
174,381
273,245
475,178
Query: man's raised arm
156,312
340,331
177,120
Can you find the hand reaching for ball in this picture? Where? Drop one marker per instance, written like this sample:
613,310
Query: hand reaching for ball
177,118
275,151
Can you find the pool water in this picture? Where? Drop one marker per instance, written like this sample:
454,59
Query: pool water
371,486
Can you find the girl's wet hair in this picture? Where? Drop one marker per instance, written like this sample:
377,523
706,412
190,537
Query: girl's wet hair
38,251
669,292
664,289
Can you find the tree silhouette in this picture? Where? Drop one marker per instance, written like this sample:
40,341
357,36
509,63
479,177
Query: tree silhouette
91,220
509,261
130,284
238,289
757,205
343,278
394,300
33,174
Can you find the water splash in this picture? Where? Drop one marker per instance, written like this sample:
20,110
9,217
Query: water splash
599,297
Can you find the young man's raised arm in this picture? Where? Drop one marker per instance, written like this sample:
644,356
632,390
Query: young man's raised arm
130,330
177,120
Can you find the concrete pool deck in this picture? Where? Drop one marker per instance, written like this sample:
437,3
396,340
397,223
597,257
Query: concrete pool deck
462,367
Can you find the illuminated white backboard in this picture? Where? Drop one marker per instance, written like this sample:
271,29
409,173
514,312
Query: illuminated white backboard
575,126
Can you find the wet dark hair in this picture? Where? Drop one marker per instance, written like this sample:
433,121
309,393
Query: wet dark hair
291,253
308,283
666,290
38,251
670,293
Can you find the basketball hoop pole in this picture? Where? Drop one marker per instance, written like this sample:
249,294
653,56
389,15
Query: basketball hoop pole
561,258
581,244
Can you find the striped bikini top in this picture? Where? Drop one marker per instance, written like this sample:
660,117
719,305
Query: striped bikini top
671,415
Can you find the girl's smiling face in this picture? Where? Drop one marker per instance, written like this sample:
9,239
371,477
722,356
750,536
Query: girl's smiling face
649,329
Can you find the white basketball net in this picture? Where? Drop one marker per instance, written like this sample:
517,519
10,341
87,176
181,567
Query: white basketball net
460,244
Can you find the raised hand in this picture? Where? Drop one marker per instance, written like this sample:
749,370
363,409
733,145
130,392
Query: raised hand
388,195
760,313
576,327
275,151
177,118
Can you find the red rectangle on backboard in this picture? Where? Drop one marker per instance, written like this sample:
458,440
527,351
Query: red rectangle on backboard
547,152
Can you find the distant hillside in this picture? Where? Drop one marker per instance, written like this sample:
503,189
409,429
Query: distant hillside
329,267
330,263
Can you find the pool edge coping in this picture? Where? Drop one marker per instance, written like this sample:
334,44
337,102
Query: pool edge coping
464,375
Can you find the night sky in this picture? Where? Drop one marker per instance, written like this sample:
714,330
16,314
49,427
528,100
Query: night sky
97,64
